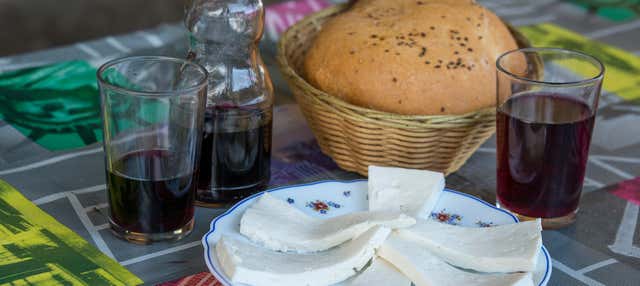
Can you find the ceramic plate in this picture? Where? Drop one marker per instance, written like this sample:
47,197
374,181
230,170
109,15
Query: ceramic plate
327,199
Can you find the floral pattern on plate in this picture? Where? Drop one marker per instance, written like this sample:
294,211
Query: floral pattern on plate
447,217
322,206
484,224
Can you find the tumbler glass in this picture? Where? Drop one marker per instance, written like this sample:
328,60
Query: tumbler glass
546,107
152,112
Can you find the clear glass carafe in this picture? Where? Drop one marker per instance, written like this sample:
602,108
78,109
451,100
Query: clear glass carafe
236,146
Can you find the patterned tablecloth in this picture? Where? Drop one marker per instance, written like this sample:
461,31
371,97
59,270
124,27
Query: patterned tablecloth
50,143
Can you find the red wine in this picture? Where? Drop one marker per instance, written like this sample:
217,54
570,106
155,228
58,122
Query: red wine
236,154
157,204
543,143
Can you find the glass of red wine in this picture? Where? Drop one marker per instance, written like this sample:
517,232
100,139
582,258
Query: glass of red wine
153,117
546,106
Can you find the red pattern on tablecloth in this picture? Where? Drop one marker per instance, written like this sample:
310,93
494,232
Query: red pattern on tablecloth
200,279
628,190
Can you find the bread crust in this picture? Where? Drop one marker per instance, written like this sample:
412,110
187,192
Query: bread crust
410,57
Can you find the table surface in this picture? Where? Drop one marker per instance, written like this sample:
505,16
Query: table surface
601,248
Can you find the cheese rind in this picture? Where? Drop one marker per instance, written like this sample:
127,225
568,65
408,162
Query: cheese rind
379,272
427,269
279,226
503,248
246,263
414,192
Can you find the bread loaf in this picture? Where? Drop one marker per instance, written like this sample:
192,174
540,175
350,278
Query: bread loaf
412,57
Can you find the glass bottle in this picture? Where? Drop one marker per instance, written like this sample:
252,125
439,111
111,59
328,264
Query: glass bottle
236,146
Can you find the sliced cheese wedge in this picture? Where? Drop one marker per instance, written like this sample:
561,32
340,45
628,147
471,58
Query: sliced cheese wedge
246,263
503,248
380,273
414,192
427,269
277,225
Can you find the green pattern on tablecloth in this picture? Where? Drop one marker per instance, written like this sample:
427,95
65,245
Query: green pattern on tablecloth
616,10
35,249
57,105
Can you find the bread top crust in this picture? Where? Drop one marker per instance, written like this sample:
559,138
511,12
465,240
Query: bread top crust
413,57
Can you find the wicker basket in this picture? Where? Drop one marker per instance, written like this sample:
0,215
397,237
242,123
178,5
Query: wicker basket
356,137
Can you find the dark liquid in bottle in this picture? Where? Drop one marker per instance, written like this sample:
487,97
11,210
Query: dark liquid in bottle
236,155
155,205
543,143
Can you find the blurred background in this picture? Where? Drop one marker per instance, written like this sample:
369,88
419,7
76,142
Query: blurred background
28,25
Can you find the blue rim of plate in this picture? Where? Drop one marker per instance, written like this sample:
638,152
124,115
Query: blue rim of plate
212,225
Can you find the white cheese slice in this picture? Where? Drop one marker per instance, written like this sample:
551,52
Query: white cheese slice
503,248
379,273
414,192
277,225
246,263
427,269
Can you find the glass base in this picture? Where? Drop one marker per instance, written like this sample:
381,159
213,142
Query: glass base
148,238
227,197
213,205
548,223
554,222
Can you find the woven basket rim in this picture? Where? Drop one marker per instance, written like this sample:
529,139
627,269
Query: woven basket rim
373,114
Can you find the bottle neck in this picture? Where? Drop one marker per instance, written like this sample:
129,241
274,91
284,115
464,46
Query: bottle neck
237,75
223,50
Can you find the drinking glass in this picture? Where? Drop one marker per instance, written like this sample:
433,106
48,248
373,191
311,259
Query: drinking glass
546,106
152,113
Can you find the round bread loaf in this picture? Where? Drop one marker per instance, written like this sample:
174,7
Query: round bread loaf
413,57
